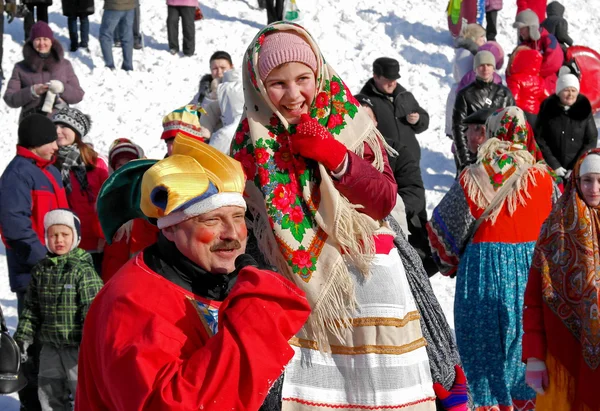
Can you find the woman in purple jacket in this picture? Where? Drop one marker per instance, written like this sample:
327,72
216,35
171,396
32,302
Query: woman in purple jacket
186,9
44,81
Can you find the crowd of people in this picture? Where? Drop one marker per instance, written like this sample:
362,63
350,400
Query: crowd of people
279,255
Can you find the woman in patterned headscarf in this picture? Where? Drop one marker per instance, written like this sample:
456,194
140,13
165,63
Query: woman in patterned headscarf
319,186
484,231
561,344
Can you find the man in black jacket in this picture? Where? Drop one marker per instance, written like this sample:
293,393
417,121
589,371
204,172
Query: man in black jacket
483,93
400,116
407,174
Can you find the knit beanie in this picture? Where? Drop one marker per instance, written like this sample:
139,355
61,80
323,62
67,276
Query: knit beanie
528,18
74,119
484,57
123,147
41,29
567,80
35,130
284,47
63,216
590,164
496,50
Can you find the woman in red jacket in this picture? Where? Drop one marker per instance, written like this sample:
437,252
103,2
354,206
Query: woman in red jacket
83,172
525,82
561,344
135,235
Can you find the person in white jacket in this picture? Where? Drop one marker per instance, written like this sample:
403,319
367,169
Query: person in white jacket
227,109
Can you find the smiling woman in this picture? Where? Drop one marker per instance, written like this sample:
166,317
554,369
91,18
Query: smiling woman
319,185
560,320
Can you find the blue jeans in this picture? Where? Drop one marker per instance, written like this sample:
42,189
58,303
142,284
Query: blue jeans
85,31
111,19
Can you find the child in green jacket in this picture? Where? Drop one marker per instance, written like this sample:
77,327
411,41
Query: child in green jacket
59,295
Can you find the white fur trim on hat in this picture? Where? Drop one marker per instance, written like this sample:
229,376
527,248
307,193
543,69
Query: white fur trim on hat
567,80
62,216
590,164
201,207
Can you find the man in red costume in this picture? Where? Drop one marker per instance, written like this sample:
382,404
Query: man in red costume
186,324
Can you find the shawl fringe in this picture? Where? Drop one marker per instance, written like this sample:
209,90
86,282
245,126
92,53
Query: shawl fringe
476,189
562,389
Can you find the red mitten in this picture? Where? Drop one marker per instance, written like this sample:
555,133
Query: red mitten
457,398
312,140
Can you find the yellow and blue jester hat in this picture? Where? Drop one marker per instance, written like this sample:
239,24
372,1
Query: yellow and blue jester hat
194,180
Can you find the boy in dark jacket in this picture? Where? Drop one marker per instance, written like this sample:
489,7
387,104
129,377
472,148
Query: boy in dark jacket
483,93
556,24
59,295
29,187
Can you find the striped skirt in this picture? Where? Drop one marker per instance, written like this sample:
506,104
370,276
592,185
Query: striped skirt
383,364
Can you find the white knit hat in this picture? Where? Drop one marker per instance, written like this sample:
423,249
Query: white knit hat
590,164
567,80
63,216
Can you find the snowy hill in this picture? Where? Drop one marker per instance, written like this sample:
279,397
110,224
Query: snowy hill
351,35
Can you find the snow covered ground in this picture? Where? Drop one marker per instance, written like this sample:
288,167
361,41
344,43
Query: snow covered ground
351,35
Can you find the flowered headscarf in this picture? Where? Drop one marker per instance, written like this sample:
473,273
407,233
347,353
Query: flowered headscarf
567,255
510,124
304,226
510,149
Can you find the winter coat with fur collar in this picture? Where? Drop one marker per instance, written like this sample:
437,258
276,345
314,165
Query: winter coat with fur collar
34,69
564,135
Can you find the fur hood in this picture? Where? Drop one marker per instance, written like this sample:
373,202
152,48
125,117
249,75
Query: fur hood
579,111
467,44
32,59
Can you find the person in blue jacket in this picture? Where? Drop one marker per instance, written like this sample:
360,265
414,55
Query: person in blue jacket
29,187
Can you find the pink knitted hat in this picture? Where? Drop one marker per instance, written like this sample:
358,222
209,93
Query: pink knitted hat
284,47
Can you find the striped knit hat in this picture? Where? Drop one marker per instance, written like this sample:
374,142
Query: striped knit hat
123,147
74,119
184,120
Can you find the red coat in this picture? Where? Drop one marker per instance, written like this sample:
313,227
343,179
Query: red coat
363,184
538,7
145,345
116,255
553,57
83,203
524,80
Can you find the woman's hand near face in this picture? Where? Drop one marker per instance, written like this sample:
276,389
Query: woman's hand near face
312,140
40,89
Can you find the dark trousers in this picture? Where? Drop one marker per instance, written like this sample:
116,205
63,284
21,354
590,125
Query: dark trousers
84,23
29,395
41,13
490,24
1,43
188,28
274,10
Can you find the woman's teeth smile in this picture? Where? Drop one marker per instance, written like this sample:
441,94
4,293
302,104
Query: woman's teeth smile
293,107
